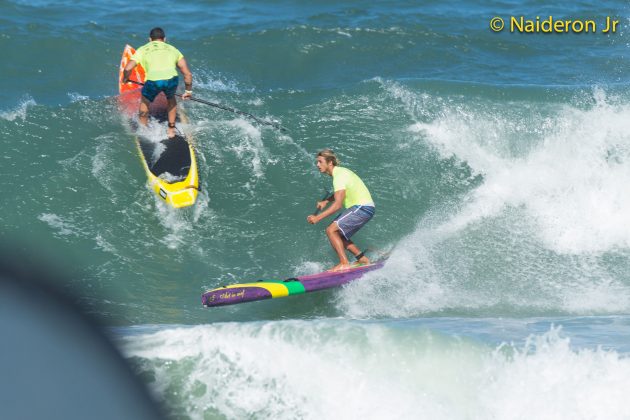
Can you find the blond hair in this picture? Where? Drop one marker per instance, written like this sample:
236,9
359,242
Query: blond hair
330,156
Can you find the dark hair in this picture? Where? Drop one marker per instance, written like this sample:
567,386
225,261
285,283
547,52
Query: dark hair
157,33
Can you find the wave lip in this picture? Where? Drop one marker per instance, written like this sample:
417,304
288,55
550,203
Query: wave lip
400,370
540,223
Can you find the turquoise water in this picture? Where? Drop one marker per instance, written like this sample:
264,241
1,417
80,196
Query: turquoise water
498,163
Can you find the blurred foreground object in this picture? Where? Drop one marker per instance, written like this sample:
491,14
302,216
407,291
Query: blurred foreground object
55,362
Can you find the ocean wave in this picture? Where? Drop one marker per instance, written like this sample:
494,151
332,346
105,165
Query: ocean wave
300,369
543,229
565,169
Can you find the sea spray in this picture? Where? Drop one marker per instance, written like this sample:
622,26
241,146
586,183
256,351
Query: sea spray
298,369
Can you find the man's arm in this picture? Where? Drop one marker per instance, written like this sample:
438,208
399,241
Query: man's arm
321,205
128,68
339,196
183,67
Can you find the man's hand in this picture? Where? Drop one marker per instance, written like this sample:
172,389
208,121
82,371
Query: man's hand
127,71
312,219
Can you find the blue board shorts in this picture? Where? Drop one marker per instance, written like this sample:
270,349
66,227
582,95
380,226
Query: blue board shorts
354,218
152,88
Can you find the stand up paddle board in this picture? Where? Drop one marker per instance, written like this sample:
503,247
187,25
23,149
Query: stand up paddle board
170,164
268,289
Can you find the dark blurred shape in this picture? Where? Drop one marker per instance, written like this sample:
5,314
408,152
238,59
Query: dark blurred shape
55,361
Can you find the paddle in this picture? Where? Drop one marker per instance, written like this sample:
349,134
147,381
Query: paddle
227,108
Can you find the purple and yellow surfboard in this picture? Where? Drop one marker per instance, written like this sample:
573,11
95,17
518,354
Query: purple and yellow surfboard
269,289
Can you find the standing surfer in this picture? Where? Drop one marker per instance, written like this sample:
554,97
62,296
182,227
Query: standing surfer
349,192
160,62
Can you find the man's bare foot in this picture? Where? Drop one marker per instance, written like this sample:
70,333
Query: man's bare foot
364,260
170,133
341,266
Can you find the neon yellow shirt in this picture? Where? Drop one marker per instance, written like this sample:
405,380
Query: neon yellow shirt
158,59
356,191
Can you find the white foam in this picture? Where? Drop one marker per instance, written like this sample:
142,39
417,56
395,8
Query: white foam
550,204
283,371
56,222
175,221
217,83
572,182
202,207
308,267
104,168
77,97
20,111
104,244
169,177
251,147
255,102
408,284
324,369
549,380
154,131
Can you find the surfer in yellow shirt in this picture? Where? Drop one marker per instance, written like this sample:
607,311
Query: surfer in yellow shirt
160,62
349,192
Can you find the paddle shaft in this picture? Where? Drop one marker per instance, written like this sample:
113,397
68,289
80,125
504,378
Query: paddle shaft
226,108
